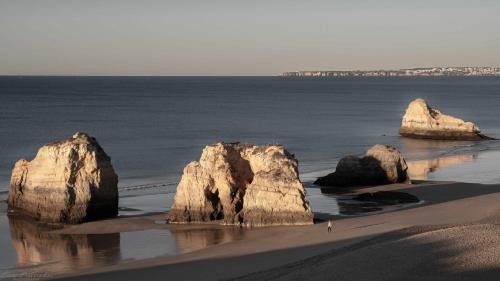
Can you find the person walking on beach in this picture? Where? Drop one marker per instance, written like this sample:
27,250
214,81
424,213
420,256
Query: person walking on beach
329,226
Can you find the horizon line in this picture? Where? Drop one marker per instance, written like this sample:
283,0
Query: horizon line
238,75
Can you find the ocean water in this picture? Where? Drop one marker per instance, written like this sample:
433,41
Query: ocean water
153,126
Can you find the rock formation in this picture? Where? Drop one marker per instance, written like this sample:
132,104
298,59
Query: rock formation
382,164
69,181
242,184
423,121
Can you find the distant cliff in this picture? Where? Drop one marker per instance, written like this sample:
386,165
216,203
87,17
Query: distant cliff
429,71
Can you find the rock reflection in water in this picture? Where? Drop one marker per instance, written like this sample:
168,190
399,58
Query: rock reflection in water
424,149
38,250
420,169
189,240
43,251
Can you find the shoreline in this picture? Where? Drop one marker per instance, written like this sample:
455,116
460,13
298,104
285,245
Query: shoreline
413,150
139,217
476,202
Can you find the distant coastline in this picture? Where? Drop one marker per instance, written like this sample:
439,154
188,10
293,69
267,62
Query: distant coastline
409,72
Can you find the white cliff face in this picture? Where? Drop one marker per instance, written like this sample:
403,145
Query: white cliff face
275,195
68,181
423,121
242,184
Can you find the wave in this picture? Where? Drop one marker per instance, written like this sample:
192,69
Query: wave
471,148
3,196
146,186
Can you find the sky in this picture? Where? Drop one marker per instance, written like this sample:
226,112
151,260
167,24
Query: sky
233,37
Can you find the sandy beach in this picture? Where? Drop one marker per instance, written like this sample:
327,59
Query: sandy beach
249,140
452,235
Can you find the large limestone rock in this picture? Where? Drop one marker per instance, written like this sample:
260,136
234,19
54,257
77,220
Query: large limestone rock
69,181
382,164
423,121
242,184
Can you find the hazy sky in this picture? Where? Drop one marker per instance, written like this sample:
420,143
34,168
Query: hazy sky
147,37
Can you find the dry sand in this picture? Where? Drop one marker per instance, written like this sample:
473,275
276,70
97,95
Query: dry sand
452,236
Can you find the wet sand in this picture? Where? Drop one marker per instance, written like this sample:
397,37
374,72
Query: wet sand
454,226
34,249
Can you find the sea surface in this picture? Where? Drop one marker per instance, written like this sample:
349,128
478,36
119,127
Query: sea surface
153,126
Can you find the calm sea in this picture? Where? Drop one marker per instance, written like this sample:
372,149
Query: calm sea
153,126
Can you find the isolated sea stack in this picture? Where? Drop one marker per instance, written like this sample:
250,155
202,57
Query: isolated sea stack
382,164
242,184
69,181
423,121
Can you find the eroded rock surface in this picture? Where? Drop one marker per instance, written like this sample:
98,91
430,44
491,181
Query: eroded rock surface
242,184
69,181
382,164
422,121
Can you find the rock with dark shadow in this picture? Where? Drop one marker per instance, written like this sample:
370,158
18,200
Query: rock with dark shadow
382,164
242,184
387,197
68,181
422,121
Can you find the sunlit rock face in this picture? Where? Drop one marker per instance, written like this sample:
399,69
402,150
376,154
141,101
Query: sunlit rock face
242,184
423,121
68,181
382,164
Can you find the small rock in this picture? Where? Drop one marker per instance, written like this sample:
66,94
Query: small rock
382,164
